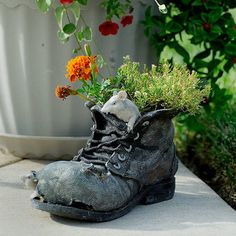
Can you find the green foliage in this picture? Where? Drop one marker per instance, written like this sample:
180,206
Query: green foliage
159,87
116,8
85,33
208,26
44,5
82,2
70,22
212,149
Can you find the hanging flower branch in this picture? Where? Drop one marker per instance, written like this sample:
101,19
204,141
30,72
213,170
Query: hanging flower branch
86,67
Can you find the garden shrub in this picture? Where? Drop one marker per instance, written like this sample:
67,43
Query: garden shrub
211,151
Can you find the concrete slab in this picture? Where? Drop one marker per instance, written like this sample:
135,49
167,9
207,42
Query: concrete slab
195,210
6,159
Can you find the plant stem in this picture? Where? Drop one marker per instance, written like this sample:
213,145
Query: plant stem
99,51
80,46
85,98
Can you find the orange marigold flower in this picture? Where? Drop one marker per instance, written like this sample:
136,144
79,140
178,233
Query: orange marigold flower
81,68
64,91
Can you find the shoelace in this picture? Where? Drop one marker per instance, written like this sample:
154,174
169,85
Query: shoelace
99,152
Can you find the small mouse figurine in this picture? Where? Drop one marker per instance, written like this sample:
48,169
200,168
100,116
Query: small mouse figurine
123,108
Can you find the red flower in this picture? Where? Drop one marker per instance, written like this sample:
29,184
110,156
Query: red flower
108,27
127,20
66,1
234,60
205,101
207,26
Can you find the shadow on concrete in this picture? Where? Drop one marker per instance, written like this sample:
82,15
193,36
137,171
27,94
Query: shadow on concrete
183,211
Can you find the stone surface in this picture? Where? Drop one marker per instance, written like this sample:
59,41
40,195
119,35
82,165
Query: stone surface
195,210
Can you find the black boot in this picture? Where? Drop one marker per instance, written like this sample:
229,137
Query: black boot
116,171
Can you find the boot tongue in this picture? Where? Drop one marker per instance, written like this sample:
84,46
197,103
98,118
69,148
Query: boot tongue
107,122
107,130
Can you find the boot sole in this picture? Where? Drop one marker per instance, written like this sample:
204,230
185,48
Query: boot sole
149,195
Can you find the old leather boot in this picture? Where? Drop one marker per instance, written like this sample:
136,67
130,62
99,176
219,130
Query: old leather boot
116,171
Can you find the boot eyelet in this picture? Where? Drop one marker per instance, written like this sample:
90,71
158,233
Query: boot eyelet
93,128
121,158
117,166
137,137
129,149
146,123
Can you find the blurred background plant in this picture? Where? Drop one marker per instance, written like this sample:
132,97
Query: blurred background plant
202,35
211,151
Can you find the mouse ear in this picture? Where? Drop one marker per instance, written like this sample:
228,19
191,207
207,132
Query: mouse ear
115,93
122,95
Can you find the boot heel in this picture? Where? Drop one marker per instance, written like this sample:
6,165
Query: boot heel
159,192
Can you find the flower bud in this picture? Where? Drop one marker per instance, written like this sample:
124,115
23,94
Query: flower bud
163,9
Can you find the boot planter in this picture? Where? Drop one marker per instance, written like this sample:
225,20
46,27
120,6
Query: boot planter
115,171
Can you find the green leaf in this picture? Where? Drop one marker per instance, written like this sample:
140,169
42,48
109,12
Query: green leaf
100,61
62,36
193,124
230,48
216,29
76,50
213,64
205,17
87,50
203,54
228,65
212,5
173,27
84,34
197,3
79,36
200,64
181,50
44,5
159,47
212,36
87,32
215,15
219,75
186,2
75,9
82,2
59,12
69,28
231,32
181,18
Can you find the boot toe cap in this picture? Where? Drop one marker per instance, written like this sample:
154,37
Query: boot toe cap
69,182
